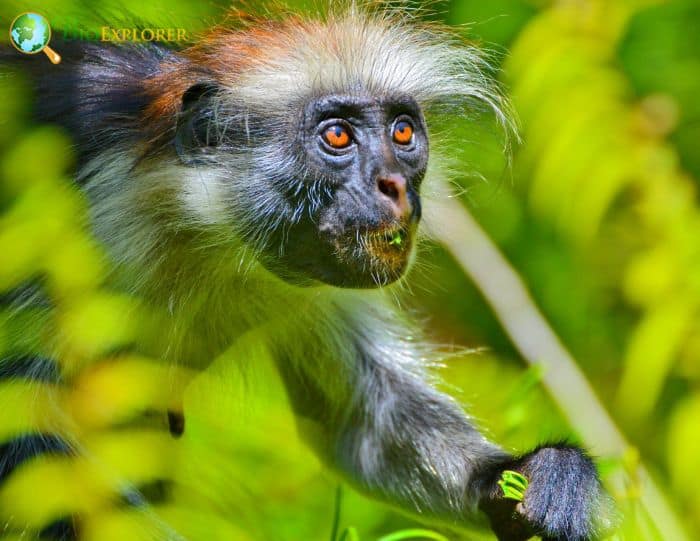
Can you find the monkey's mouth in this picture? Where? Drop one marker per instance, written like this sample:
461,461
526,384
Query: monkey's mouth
386,243
378,256
355,257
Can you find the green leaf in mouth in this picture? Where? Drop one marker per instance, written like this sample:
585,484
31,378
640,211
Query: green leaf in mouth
396,239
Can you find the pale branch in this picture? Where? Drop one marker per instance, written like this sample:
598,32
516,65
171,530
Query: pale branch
534,338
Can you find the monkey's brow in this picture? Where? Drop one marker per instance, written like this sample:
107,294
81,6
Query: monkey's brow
364,101
358,106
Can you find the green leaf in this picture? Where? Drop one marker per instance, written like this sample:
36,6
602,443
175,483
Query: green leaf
413,534
513,485
349,534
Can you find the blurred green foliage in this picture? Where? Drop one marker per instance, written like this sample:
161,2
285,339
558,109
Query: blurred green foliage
598,213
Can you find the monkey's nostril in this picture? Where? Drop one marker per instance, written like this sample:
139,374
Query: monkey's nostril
388,188
393,187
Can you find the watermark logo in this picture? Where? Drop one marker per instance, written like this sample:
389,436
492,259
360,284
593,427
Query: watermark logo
139,35
121,35
30,33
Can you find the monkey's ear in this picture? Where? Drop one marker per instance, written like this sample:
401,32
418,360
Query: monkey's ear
197,133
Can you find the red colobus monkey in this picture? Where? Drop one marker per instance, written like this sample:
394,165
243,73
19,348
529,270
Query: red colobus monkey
267,180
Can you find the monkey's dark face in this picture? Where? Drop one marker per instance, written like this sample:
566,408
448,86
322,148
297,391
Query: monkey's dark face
335,188
365,160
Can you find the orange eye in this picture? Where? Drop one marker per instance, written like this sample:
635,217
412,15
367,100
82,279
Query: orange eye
337,136
403,132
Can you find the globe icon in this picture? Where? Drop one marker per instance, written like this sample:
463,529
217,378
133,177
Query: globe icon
30,33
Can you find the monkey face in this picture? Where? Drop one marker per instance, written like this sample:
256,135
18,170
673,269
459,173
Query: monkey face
332,190
365,158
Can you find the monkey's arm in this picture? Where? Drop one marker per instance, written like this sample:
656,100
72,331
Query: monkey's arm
371,413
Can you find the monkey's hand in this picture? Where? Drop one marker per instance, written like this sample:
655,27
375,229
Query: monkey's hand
562,500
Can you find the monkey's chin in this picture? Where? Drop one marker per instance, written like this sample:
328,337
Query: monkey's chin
355,260
363,270
369,274
377,276
370,280
373,260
